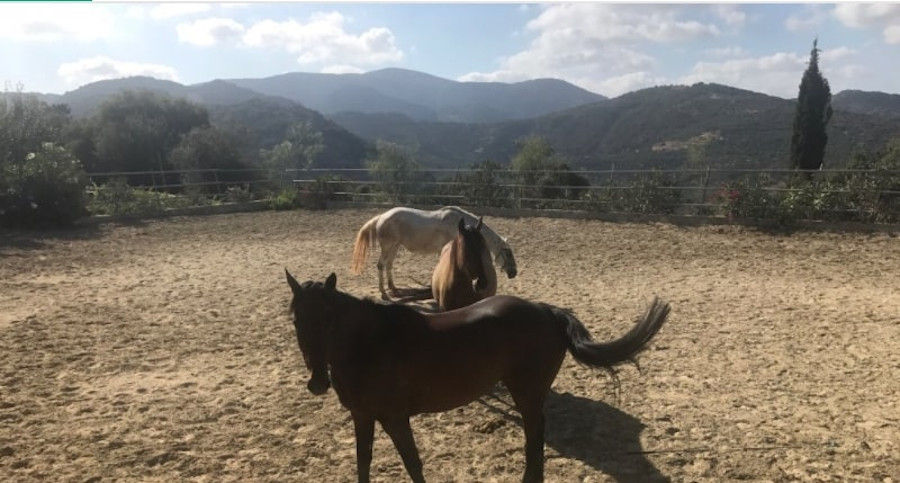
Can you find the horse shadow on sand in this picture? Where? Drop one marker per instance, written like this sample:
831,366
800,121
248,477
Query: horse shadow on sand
593,432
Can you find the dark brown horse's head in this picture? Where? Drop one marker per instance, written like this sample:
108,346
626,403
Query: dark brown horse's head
309,308
470,250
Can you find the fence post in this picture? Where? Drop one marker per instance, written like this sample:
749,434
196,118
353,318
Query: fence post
703,191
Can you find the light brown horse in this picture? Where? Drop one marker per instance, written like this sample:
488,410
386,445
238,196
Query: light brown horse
389,361
464,259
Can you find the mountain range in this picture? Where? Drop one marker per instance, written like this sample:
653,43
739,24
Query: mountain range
422,97
449,123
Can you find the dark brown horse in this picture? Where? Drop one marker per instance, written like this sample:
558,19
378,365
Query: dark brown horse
464,259
388,361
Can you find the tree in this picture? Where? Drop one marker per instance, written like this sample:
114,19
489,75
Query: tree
206,148
301,146
396,169
535,154
811,118
137,130
542,172
26,123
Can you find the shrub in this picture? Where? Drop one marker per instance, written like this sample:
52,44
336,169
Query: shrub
286,199
316,196
46,187
480,186
747,198
238,194
117,198
649,195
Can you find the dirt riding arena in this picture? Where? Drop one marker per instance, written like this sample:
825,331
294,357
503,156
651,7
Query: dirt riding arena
164,351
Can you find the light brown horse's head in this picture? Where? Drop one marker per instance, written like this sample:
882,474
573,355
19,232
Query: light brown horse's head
470,251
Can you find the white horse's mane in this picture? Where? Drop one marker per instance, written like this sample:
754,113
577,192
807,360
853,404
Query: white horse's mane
493,238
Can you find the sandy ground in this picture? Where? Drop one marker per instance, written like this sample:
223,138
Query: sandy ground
164,350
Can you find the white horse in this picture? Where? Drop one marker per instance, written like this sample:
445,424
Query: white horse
420,232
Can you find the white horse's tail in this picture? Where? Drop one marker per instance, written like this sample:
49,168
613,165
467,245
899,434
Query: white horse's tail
364,239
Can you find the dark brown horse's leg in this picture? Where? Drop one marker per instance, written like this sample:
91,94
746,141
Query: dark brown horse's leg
401,434
365,433
529,389
533,420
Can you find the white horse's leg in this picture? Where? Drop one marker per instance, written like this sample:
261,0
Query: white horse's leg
380,265
390,256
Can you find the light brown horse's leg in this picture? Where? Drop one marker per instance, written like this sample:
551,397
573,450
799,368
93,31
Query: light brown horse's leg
364,425
401,434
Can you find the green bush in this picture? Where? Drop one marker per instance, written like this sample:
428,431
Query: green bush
648,195
238,194
747,198
286,199
118,199
46,187
481,186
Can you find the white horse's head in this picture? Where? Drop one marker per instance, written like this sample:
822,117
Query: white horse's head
506,260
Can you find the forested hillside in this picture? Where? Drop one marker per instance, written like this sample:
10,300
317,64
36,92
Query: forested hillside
650,127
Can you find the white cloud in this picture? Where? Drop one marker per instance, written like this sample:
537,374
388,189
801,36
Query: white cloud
341,69
209,31
53,23
726,52
172,10
599,46
731,14
323,39
776,74
892,34
93,69
809,18
605,22
615,86
884,16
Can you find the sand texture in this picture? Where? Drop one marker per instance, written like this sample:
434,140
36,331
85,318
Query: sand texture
164,351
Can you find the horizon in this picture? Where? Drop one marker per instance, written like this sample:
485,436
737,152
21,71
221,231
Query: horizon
608,49
443,78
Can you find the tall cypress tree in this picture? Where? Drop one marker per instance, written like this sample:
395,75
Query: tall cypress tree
813,113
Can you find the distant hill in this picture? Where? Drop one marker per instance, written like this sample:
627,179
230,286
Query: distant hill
422,96
862,102
260,120
650,127
85,100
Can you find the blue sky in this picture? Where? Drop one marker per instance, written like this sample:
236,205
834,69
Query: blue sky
606,48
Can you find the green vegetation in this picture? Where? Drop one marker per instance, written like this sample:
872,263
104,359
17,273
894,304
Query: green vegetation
395,169
811,118
118,199
46,187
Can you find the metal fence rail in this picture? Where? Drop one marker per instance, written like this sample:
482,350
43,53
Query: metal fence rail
866,195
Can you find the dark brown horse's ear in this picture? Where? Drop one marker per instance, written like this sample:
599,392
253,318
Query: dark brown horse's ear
478,226
295,287
331,282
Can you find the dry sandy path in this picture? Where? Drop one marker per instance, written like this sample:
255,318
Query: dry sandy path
164,351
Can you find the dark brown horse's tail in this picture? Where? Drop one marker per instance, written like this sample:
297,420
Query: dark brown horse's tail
608,354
